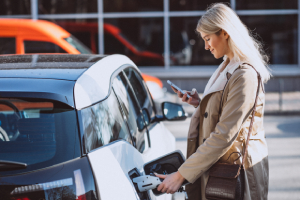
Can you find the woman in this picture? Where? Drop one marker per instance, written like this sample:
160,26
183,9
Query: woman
213,137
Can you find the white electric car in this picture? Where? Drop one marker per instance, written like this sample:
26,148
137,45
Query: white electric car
78,127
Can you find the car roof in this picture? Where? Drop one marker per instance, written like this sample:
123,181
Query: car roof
94,85
50,66
88,76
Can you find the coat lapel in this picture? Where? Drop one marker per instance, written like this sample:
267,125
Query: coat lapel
220,83
217,86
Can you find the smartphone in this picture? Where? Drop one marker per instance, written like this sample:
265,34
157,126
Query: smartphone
177,88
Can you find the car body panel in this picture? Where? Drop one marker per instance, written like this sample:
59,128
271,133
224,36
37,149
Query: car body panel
94,84
162,142
112,178
111,170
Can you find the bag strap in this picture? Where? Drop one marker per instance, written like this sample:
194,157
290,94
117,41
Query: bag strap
252,119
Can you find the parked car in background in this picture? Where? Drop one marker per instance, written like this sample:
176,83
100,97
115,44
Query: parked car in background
73,128
115,42
20,36
154,84
25,36
151,55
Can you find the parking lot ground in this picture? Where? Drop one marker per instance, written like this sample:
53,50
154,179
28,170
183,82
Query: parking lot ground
283,138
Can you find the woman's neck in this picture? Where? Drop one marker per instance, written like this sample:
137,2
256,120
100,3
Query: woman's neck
225,64
229,54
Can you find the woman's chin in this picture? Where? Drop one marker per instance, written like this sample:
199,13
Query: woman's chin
217,56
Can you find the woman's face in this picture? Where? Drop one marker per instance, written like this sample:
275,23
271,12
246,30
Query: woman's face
217,44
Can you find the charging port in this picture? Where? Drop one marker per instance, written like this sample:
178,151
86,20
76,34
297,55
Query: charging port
133,174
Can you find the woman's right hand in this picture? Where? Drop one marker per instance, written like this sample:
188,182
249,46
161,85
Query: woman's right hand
194,100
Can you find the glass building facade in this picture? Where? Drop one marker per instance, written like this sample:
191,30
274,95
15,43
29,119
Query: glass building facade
160,34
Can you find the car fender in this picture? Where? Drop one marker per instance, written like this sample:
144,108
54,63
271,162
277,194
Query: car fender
110,165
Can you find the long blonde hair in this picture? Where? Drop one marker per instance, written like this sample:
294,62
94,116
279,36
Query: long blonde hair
241,41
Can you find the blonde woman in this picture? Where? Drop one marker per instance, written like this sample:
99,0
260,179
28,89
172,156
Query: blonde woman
212,137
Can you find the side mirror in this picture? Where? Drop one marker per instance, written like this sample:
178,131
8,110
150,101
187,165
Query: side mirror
173,111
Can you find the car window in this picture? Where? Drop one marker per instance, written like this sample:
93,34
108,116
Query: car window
131,110
140,90
42,47
7,45
78,45
103,123
39,133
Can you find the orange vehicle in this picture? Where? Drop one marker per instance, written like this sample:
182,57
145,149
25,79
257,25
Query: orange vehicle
21,36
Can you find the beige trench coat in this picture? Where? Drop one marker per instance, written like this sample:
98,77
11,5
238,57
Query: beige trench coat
211,140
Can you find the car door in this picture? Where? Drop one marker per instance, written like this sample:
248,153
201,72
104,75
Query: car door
109,148
132,112
117,142
161,139
131,96
114,138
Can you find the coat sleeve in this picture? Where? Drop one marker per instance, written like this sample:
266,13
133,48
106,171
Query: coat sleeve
240,100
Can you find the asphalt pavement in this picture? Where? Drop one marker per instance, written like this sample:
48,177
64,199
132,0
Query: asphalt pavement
283,138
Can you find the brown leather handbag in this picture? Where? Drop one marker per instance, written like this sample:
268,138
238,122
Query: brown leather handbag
226,181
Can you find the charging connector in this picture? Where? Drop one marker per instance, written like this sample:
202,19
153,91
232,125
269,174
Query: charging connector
147,182
150,182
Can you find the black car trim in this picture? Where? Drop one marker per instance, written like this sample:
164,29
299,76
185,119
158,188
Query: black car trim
37,95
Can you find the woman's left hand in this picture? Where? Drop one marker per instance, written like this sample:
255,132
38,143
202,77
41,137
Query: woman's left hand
171,184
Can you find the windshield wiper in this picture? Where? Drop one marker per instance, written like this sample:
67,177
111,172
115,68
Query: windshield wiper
6,165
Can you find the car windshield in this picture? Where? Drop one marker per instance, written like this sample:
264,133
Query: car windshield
40,133
78,45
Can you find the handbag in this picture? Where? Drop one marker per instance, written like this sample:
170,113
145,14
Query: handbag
227,181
